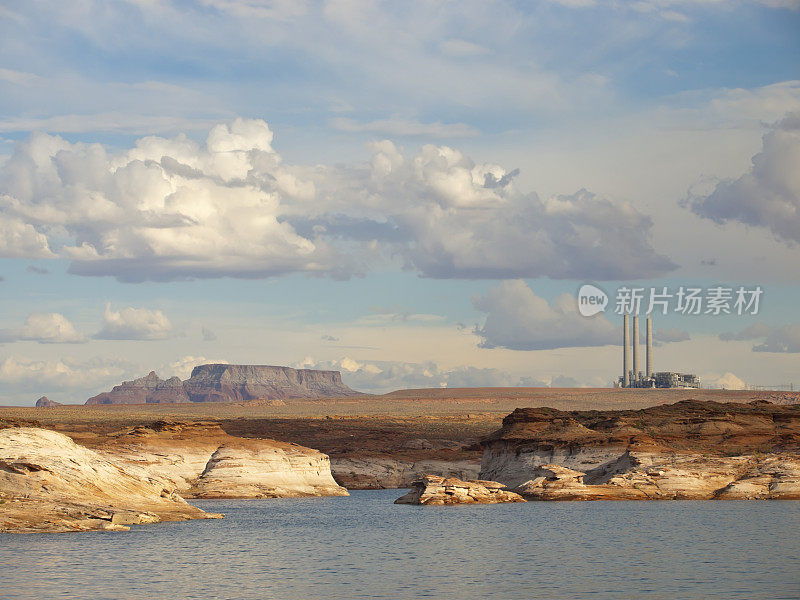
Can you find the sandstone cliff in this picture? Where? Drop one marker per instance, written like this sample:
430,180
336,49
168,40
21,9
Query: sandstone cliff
697,450
229,383
50,483
202,461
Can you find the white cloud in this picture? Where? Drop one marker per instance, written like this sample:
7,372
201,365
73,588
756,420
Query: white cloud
518,319
727,381
134,324
46,328
449,217
21,240
175,209
768,195
386,376
22,374
183,366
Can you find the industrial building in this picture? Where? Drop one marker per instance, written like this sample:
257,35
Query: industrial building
633,377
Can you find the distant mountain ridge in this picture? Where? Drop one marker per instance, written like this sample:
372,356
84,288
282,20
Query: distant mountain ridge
228,383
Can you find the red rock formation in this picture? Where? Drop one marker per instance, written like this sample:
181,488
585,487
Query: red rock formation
145,390
229,383
45,402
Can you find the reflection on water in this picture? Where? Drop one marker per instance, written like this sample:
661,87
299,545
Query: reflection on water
366,547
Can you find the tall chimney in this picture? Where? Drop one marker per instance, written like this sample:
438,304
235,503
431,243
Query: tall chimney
626,361
635,348
649,347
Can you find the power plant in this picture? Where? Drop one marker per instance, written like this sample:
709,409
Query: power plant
633,377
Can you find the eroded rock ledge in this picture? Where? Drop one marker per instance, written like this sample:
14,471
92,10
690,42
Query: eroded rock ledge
50,483
686,450
431,490
202,461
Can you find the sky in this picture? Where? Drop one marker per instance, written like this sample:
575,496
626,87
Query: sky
409,192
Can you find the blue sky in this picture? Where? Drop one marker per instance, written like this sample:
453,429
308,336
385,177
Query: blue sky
392,189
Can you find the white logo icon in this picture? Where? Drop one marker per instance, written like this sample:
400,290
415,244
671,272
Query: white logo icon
591,300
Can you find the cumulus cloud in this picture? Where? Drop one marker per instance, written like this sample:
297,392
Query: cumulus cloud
182,367
175,209
19,375
518,319
782,339
726,381
459,219
768,195
21,240
165,209
134,324
386,376
45,328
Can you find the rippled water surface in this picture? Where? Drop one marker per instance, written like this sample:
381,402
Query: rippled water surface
366,547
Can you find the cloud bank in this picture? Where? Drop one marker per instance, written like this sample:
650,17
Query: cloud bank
174,208
385,376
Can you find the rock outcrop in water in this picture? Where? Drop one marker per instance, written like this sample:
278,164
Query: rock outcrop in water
432,490
50,483
45,402
687,450
229,383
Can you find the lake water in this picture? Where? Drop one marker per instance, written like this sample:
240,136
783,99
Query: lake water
366,547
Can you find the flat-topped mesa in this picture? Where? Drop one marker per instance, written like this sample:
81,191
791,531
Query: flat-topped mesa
688,449
145,390
229,383
236,383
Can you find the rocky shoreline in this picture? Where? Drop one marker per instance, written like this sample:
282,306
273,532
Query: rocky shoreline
686,450
683,450
143,475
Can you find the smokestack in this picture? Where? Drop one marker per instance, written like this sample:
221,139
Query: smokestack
635,347
649,347
626,361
